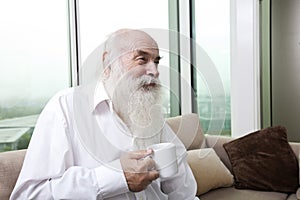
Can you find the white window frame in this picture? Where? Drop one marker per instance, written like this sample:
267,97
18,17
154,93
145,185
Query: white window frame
74,38
245,81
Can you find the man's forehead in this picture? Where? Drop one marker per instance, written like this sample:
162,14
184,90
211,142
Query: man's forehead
136,40
138,45
146,51
133,42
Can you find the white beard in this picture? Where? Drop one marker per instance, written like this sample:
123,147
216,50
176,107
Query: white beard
145,119
137,104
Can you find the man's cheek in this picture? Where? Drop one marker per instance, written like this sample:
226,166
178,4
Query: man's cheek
137,71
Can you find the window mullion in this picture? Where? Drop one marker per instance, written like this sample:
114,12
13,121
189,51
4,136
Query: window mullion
74,41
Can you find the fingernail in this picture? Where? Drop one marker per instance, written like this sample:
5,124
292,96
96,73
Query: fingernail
148,156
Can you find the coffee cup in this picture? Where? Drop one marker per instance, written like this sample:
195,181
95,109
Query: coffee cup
164,155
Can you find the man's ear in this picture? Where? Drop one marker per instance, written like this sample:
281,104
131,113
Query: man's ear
104,55
106,72
105,59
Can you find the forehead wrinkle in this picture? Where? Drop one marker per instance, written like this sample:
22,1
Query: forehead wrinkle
150,53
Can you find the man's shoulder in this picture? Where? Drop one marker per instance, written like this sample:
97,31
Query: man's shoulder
77,96
64,93
75,92
69,98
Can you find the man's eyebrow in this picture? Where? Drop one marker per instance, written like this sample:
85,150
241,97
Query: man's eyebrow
145,53
158,58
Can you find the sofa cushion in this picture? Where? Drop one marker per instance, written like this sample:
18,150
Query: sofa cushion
292,197
10,167
208,170
296,148
238,194
264,160
187,128
216,142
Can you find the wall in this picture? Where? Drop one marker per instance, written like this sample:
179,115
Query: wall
285,65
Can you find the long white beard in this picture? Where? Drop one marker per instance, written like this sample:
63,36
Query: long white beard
145,119
138,106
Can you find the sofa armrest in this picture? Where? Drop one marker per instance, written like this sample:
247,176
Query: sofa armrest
296,148
10,167
216,142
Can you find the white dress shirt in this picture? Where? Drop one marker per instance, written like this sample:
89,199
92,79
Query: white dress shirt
75,148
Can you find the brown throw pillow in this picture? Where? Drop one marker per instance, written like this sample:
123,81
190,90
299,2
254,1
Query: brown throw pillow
264,160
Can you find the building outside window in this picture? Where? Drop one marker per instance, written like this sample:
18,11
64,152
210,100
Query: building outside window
34,64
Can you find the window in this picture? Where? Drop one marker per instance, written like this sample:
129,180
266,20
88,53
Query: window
34,64
97,19
212,34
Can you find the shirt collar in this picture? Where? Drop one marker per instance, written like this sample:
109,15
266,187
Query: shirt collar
100,95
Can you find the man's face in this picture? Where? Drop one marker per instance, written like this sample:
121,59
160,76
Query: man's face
136,53
141,62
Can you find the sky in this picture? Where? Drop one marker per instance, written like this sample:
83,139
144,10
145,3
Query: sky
34,59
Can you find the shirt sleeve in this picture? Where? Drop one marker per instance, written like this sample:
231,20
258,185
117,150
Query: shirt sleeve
115,182
183,185
75,183
48,171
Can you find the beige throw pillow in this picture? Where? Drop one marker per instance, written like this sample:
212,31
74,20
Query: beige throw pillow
188,129
209,171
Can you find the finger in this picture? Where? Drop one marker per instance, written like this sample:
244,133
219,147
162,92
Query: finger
149,163
152,175
140,154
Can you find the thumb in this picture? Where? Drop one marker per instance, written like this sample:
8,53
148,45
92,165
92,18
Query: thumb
140,154
152,175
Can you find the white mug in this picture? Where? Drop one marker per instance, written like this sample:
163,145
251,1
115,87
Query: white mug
164,155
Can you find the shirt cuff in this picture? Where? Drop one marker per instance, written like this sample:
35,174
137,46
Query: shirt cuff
111,179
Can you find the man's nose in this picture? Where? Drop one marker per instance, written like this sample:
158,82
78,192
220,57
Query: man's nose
151,69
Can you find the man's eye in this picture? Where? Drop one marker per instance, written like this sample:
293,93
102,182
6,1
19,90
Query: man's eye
141,58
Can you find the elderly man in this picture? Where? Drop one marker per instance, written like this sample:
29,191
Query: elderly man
90,142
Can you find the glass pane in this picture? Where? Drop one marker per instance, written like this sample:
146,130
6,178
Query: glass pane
100,18
34,64
212,23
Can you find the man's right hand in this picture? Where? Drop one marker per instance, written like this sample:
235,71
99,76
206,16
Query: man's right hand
139,172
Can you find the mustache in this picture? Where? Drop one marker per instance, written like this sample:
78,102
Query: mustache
147,80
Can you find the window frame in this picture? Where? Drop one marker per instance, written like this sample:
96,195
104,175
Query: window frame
244,24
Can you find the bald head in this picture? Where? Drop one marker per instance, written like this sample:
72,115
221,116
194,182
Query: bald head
124,41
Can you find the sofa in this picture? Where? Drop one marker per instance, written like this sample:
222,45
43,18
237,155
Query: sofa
208,158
